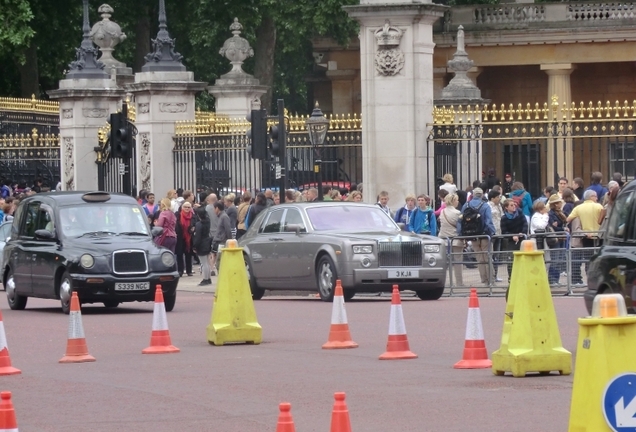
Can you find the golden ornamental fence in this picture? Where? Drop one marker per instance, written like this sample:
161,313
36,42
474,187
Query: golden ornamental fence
210,152
29,140
537,144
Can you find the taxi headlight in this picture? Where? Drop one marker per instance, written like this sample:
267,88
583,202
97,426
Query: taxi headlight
87,261
364,249
167,258
431,248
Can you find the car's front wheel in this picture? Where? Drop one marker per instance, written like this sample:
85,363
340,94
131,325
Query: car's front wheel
169,301
257,293
326,275
15,300
66,292
430,294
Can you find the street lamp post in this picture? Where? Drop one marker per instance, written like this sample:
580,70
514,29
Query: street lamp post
317,125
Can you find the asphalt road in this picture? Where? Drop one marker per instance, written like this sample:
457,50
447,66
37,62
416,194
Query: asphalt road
238,387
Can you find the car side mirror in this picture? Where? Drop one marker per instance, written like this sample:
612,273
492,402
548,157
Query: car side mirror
156,231
295,228
43,234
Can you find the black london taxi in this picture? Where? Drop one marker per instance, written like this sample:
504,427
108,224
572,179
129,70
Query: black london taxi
613,268
97,244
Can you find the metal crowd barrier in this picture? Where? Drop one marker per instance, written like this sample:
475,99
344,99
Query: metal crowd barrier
564,262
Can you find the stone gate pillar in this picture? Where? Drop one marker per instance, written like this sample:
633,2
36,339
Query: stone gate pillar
396,60
87,96
164,94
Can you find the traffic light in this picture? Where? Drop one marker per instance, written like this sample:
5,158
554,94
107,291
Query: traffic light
257,134
120,136
274,145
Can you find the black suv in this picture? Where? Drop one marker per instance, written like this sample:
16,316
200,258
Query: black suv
97,244
613,268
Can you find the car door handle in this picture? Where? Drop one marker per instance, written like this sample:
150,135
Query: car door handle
275,239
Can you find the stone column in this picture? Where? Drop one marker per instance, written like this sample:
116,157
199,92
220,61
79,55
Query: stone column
237,92
559,163
164,94
87,96
396,59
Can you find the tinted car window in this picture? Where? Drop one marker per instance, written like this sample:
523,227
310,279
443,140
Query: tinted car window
272,224
76,221
17,218
353,217
618,222
293,217
31,219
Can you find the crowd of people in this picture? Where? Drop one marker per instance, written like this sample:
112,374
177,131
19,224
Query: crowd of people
491,218
193,229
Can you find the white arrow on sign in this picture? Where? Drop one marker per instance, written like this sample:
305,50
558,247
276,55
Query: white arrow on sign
625,414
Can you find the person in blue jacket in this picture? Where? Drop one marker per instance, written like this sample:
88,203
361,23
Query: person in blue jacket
523,199
423,219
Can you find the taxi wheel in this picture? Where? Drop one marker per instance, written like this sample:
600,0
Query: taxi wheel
169,301
257,293
16,301
430,294
111,303
66,291
326,275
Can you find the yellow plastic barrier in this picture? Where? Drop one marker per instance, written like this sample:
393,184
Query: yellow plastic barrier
233,314
530,341
604,389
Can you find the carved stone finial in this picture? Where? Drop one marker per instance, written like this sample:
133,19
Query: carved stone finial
86,65
461,86
106,34
389,59
236,49
164,57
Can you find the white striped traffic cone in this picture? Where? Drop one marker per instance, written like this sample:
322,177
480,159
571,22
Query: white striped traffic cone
5,360
76,349
397,346
339,335
160,339
8,423
475,354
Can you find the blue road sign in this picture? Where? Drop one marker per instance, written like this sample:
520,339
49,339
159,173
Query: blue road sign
619,403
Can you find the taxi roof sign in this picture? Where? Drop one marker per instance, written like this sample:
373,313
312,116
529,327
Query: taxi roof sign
97,196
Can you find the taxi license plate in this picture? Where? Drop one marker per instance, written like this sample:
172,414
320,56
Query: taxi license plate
404,274
132,286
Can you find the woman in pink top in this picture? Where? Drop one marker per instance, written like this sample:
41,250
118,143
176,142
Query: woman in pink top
442,197
168,221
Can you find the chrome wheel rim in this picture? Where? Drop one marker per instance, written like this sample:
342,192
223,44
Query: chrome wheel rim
10,287
65,291
325,280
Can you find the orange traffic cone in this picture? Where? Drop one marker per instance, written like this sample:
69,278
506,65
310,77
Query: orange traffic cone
339,335
76,349
340,414
475,354
5,360
8,422
285,420
160,339
397,346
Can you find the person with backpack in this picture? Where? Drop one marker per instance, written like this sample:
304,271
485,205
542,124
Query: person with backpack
475,221
423,219
522,199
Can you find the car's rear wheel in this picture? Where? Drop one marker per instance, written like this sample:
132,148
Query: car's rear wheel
66,292
169,301
430,294
15,300
111,303
326,276
348,294
257,293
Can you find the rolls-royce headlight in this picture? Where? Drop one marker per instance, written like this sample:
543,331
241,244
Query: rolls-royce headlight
87,261
431,248
167,259
365,249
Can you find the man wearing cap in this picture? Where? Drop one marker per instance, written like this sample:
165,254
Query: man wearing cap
480,245
507,185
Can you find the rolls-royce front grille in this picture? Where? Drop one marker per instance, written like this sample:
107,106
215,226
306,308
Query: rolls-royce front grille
130,262
400,254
